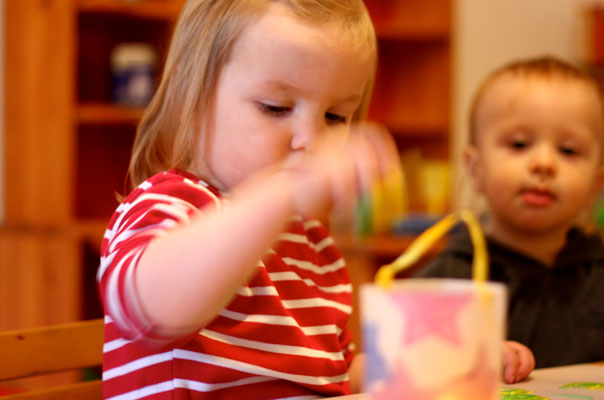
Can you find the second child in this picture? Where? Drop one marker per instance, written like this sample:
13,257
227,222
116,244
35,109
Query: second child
536,153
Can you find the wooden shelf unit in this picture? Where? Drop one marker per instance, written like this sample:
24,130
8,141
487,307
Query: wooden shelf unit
412,18
166,10
107,114
67,144
412,94
104,130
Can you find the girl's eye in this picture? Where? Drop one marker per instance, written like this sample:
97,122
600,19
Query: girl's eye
335,118
274,110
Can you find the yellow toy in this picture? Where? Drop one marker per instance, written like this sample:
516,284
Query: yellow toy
383,205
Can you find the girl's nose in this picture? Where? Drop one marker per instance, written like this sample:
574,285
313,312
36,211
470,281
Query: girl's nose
543,160
305,135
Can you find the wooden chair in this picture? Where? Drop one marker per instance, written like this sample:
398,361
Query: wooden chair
49,349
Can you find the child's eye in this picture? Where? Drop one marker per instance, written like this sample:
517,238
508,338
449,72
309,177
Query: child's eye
335,118
518,144
273,109
569,150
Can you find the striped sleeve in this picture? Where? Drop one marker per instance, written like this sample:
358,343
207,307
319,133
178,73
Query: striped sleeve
157,205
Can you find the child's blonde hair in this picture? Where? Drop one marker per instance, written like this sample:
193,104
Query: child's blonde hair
202,40
545,67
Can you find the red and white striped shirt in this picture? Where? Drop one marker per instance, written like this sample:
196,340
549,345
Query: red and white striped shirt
283,335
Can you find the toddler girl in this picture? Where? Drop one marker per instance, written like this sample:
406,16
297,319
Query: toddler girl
217,281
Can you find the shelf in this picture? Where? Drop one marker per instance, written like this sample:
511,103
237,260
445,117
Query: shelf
595,26
94,113
98,36
411,20
102,156
413,125
147,9
91,230
383,245
413,34
412,92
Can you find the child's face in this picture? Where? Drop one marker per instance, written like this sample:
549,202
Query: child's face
537,157
286,85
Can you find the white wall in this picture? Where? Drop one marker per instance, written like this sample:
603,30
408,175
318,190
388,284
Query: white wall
491,32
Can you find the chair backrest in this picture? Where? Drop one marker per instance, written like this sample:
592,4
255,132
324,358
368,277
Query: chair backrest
49,349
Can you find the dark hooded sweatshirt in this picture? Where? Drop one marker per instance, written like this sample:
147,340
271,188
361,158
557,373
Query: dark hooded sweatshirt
557,311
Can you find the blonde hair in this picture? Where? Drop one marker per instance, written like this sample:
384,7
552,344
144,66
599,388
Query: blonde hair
546,67
203,37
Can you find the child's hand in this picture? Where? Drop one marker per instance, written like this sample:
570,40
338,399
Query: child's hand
341,167
518,361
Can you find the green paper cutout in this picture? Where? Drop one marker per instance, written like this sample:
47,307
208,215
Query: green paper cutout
584,385
363,223
518,394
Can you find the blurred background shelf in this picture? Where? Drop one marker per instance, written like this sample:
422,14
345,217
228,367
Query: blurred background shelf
147,9
412,92
67,144
91,230
428,19
108,114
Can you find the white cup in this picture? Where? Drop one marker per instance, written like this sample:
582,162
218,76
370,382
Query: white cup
433,339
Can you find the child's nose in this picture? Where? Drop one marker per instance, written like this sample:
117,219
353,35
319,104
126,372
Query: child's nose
543,160
305,135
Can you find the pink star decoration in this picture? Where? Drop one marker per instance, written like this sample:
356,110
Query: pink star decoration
431,314
480,383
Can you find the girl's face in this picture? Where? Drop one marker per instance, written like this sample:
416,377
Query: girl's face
286,85
538,153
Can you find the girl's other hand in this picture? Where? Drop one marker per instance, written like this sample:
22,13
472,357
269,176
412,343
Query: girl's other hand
518,361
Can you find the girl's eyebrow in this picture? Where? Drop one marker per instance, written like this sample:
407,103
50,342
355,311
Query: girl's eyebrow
351,99
279,86
284,87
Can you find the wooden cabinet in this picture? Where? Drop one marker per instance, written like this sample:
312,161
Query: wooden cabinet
67,145
103,129
412,92
39,267
40,277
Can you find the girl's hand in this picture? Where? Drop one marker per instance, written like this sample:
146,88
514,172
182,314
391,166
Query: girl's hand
518,361
341,167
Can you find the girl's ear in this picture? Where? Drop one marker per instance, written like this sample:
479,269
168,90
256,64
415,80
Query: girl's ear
472,163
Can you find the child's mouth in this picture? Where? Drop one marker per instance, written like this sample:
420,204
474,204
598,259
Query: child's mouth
537,197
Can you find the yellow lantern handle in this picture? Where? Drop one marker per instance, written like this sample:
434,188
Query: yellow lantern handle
429,237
